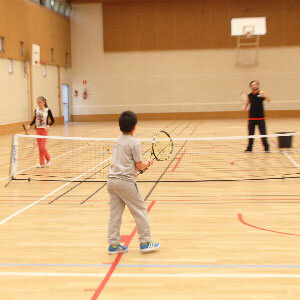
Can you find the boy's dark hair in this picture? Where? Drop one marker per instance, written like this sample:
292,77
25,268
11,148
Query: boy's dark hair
127,121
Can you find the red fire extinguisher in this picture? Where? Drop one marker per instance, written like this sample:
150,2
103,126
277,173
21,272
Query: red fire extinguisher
85,94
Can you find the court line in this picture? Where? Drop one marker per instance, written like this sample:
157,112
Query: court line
291,159
184,128
49,194
240,217
202,266
8,177
118,258
152,275
178,161
116,261
54,158
94,193
72,188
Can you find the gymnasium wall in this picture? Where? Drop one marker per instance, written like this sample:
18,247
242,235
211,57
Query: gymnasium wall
23,20
26,21
14,102
46,86
193,24
206,79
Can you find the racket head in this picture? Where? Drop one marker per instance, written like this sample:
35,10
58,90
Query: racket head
244,97
162,146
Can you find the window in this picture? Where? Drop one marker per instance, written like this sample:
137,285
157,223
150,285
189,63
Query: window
44,72
10,66
56,5
47,3
21,48
2,44
52,3
37,1
68,11
52,54
62,8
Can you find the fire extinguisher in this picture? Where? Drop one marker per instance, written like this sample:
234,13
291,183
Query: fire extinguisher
85,94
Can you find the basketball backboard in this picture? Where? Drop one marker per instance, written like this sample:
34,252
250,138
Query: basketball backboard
248,26
35,55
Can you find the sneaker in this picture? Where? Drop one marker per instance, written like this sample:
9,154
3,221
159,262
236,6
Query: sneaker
48,164
117,249
267,151
248,150
40,166
149,247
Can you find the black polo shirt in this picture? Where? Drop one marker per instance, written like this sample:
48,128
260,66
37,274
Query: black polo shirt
256,111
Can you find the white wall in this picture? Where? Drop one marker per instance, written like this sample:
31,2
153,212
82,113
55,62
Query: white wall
169,81
14,92
65,76
46,86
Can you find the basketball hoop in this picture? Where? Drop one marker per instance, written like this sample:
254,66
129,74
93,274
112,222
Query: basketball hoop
248,31
35,55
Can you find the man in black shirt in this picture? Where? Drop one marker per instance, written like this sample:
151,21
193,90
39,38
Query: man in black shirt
256,114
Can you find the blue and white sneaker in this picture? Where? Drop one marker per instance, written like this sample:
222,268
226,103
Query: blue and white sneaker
149,247
117,249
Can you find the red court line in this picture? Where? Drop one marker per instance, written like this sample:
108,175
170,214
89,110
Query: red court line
240,217
116,261
178,161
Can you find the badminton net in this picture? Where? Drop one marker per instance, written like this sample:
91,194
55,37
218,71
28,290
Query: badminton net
192,159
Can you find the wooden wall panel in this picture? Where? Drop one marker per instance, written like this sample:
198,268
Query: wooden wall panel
130,25
292,27
112,24
147,36
194,24
23,20
164,25
220,29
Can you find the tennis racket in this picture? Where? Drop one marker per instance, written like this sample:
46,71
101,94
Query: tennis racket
30,143
25,129
162,147
244,97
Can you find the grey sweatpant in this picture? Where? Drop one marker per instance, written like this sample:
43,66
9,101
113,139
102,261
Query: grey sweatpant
123,193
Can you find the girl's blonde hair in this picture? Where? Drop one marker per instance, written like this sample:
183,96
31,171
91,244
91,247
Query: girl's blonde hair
44,100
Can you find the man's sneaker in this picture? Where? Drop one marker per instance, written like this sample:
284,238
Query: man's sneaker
267,151
117,249
40,166
48,164
149,247
248,150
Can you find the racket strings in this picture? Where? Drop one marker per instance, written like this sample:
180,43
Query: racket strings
162,146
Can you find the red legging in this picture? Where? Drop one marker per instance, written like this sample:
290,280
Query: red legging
42,145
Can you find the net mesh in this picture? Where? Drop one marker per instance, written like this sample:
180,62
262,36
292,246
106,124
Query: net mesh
192,159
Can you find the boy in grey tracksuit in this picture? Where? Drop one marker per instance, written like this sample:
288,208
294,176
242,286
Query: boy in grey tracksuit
123,190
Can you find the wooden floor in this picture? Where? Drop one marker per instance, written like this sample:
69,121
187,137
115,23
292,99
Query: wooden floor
219,240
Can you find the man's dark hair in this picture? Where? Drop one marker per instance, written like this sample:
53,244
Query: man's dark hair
253,81
127,121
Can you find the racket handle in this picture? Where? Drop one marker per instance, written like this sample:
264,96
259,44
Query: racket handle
25,129
142,171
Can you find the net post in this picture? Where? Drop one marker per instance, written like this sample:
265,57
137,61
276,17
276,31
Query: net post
14,155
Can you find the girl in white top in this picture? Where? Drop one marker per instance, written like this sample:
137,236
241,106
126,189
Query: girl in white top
42,114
